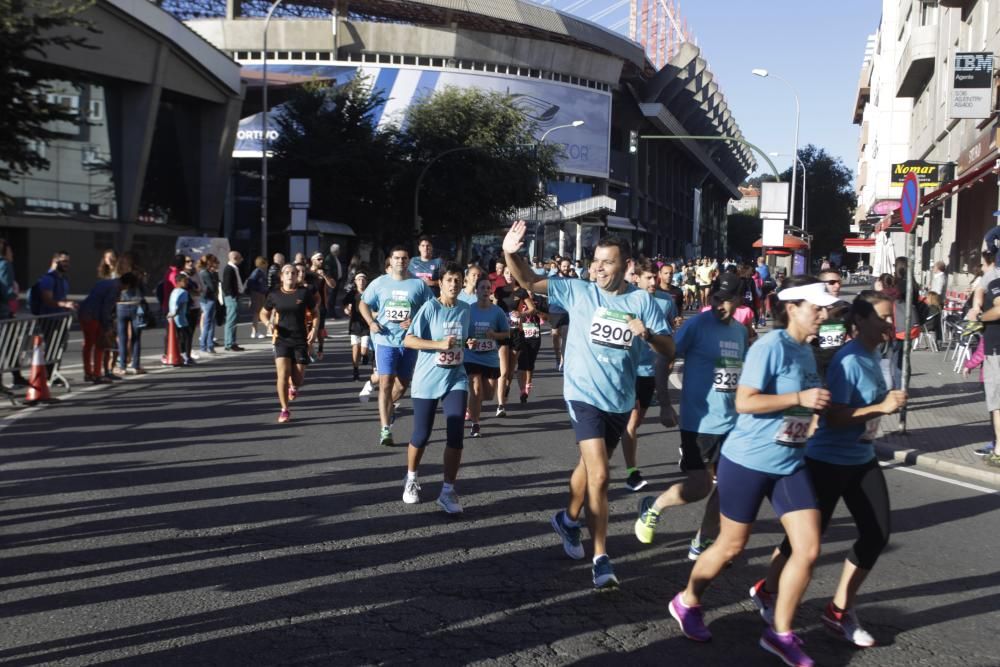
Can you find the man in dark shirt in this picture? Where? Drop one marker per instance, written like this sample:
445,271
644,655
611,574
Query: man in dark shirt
232,287
274,271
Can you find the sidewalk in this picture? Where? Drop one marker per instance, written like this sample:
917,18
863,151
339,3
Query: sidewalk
946,419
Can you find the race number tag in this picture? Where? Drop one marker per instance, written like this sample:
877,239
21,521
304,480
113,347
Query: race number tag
871,430
531,330
794,429
451,358
397,310
727,374
831,335
485,345
609,328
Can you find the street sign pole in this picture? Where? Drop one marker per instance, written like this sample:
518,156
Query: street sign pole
909,210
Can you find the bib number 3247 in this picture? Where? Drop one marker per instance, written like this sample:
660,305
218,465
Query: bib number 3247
610,329
397,310
794,429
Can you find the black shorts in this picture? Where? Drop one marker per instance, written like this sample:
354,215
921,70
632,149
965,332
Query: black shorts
488,372
527,354
644,388
297,352
557,320
700,449
590,423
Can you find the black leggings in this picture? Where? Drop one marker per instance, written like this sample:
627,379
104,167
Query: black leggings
453,406
867,499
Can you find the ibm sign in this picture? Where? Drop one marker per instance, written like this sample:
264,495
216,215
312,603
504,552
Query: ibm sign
972,85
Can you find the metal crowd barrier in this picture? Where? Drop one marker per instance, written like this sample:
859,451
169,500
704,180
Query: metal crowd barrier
16,337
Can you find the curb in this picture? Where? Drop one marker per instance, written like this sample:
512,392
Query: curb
922,459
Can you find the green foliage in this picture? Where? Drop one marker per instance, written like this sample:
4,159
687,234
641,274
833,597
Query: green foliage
742,229
28,30
830,199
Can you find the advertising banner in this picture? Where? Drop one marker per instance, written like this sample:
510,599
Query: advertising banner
972,86
547,103
928,174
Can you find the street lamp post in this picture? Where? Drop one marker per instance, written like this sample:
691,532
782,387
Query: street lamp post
264,142
795,152
801,164
562,232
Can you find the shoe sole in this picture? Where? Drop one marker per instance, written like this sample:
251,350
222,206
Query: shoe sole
446,510
836,629
641,485
556,527
411,501
609,584
776,652
670,608
638,523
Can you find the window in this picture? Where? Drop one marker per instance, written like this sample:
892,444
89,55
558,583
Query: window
68,102
91,156
40,148
95,113
928,13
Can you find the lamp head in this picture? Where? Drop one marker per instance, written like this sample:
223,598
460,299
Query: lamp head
759,72
577,123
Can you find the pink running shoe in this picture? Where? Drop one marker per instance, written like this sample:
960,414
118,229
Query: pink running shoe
284,416
690,619
293,393
787,646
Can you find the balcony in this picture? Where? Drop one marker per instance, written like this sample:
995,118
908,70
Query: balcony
955,3
916,65
864,92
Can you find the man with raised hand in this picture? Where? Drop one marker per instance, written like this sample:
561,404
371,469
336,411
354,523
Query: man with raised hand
610,321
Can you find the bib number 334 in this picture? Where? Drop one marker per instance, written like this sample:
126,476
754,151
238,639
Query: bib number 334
609,328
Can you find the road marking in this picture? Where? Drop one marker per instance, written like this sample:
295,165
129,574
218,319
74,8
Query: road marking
930,475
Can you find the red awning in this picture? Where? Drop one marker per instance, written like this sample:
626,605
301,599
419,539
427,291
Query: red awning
858,243
778,253
790,242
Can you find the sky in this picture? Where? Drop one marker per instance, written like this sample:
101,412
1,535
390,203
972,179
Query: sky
818,47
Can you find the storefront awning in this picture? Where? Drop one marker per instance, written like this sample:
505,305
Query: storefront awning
790,243
325,227
618,222
938,196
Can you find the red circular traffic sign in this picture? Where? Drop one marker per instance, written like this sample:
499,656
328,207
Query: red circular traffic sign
909,202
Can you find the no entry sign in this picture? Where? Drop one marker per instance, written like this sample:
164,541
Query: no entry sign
909,202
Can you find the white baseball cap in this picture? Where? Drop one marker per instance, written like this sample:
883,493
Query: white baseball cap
814,293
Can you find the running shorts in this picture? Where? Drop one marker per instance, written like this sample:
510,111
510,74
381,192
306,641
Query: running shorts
364,340
590,423
644,388
297,352
397,361
488,372
699,449
527,354
557,320
741,491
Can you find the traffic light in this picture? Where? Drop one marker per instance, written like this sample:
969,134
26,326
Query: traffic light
633,141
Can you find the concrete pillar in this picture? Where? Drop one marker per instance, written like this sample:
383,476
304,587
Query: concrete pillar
218,135
234,9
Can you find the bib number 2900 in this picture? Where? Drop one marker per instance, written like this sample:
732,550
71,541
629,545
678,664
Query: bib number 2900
609,328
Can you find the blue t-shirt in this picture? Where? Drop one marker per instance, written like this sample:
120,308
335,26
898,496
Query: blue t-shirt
555,307
179,300
602,354
54,282
763,271
430,269
470,299
101,302
678,278
647,360
713,358
854,378
486,351
395,301
776,364
437,372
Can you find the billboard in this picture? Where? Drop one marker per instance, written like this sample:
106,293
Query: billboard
972,86
547,103
929,174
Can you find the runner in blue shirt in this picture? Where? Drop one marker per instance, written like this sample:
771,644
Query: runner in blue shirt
426,267
438,335
468,293
482,362
645,381
395,298
713,346
778,397
558,317
841,460
611,321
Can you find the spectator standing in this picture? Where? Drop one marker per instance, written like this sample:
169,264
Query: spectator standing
53,288
177,310
97,314
194,304
170,281
257,289
232,287
108,268
939,279
274,271
8,294
130,318
208,274
333,267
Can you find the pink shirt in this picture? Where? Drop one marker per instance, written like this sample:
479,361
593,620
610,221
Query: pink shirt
742,314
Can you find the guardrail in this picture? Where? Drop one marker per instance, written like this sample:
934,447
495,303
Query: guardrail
16,337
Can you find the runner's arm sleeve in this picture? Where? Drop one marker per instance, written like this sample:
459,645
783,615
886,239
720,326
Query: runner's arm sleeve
758,367
560,292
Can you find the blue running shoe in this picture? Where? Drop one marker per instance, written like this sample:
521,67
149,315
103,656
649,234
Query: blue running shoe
570,535
604,574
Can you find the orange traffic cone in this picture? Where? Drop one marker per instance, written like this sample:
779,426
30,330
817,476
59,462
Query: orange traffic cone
173,356
38,383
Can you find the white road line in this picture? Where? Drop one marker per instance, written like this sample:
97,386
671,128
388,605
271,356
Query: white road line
913,471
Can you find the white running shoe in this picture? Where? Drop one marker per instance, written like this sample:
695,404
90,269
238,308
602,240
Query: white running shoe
366,392
448,501
411,491
847,626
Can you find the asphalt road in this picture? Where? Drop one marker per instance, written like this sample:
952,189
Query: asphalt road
168,520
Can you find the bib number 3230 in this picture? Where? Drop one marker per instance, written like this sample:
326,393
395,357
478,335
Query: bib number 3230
609,328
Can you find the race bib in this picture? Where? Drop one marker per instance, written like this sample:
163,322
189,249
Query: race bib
609,328
727,374
485,345
794,430
531,330
397,310
451,358
831,335
871,429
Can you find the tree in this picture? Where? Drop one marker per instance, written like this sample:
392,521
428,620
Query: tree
742,229
476,190
27,115
830,199
328,134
